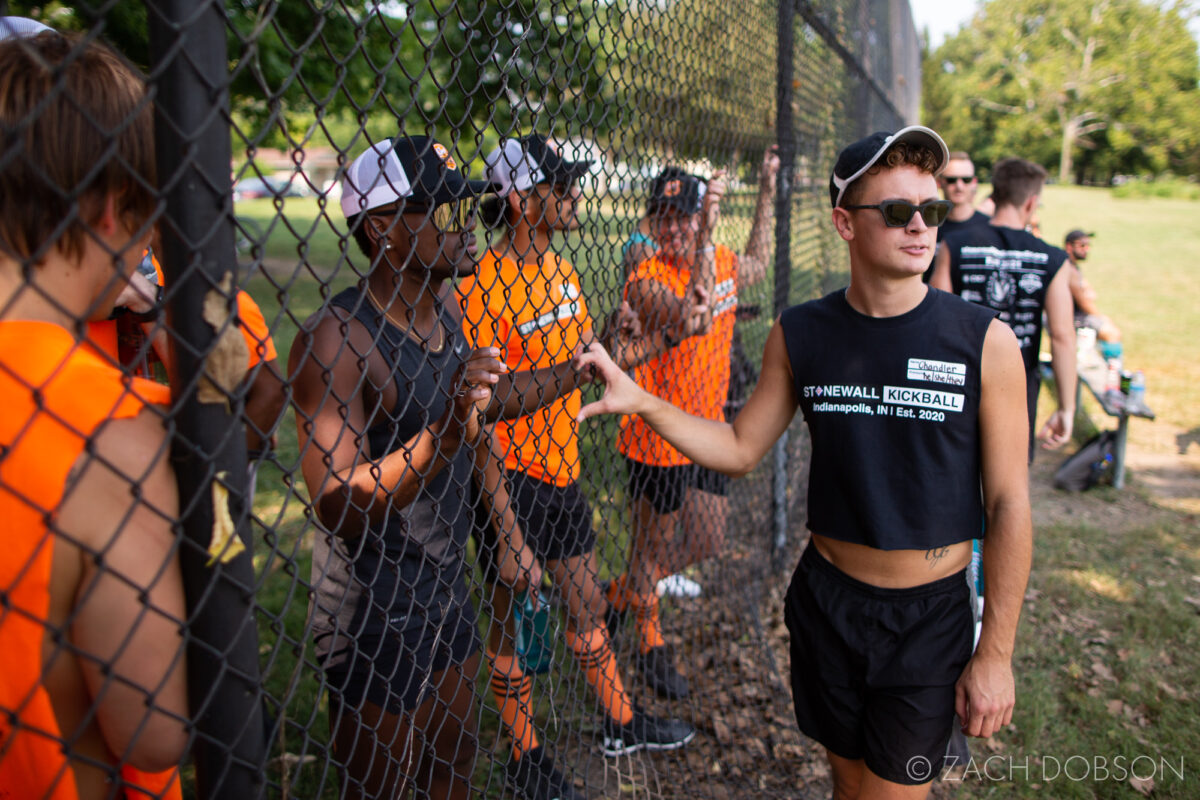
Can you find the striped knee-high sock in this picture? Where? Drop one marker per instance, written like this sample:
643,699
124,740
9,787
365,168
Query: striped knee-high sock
595,657
513,690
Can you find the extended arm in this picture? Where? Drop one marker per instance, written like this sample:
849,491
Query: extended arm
733,449
753,263
349,488
985,694
1060,319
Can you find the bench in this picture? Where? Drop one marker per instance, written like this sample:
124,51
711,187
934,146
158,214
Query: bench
1093,373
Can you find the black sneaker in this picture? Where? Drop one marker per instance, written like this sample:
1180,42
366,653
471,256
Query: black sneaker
657,666
645,732
533,777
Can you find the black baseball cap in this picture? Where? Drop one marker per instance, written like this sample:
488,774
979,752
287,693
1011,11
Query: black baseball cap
856,159
410,168
1078,234
676,189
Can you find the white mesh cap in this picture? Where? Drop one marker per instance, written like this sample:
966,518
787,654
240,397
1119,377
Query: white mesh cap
511,167
374,179
20,28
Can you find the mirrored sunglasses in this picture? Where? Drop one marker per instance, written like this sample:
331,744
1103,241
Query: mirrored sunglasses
453,216
897,213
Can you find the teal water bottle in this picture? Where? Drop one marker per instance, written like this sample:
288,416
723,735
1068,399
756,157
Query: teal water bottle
534,646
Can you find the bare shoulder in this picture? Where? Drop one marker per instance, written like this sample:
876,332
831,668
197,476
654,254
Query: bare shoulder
126,468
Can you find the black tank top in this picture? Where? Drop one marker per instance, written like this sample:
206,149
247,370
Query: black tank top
1007,270
416,557
892,405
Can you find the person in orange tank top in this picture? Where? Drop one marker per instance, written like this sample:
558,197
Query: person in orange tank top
93,691
668,491
527,301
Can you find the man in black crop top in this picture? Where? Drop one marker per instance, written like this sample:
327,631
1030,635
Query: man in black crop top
913,399
1003,267
388,396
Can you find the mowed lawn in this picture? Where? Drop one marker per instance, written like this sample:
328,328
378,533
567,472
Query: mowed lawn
1107,658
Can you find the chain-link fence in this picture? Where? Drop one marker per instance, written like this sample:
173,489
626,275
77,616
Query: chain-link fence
395,562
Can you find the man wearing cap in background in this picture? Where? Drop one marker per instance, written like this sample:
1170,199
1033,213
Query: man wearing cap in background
388,395
913,400
666,490
958,183
527,300
1078,244
1004,267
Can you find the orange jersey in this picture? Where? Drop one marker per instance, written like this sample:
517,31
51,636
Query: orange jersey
695,374
102,336
55,395
536,315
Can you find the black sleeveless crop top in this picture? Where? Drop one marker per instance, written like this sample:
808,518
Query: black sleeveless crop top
892,405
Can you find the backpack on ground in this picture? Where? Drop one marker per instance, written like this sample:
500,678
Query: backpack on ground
1091,465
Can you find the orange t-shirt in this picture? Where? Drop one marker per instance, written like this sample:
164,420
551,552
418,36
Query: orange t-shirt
536,315
103,335
55,394
695,374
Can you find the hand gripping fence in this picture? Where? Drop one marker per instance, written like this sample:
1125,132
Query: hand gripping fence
303,535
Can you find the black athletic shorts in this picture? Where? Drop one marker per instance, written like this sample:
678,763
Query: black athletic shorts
666,487
555,520
394,666
873,669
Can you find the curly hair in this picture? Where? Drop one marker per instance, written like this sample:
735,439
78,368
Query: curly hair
901,154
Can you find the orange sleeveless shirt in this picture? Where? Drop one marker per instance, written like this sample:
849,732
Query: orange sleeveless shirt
693,375
535,313
54,394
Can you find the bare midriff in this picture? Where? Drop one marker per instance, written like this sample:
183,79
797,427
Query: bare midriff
894,569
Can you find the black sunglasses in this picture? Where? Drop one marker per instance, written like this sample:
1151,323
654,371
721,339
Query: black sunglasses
897,213
953,179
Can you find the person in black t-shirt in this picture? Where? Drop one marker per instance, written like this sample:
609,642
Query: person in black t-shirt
1004,267
913,400
958,183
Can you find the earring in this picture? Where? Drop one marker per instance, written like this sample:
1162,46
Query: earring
387,246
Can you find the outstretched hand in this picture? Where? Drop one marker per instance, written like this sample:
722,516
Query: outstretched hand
621,394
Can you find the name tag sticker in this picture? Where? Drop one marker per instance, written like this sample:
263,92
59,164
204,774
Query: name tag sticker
923,369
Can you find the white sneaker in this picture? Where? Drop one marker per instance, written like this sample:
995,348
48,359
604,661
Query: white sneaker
678,586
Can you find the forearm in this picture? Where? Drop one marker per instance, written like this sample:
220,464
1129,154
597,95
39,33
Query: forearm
365,492
710,444
758,245
494,493
519,394
1062,362
1007,555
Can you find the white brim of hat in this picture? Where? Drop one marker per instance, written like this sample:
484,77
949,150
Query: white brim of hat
917,134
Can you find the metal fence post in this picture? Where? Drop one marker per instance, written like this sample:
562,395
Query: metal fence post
190,80
785,135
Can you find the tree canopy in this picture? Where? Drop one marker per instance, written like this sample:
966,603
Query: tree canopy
1087,88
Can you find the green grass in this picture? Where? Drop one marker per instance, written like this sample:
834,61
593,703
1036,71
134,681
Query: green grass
1113,596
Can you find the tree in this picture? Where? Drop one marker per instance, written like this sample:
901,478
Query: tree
1090,87
327,70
